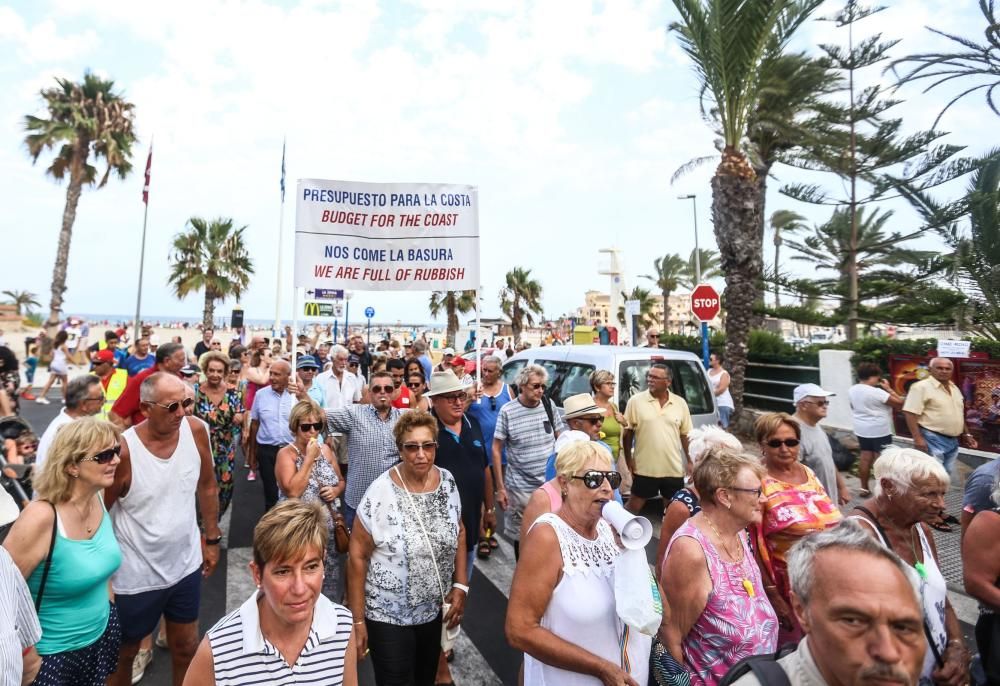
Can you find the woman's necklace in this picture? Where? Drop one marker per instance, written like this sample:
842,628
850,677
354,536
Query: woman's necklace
85,517
917,563
747,584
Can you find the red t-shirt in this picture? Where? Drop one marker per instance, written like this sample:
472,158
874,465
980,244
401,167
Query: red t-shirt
127,404
403,401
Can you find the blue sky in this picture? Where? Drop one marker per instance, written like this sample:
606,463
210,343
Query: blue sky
569,116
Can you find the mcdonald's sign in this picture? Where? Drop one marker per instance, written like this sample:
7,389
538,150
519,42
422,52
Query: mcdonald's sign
315,309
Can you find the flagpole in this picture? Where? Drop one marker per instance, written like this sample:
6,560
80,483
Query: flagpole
479,347
281,227
137,331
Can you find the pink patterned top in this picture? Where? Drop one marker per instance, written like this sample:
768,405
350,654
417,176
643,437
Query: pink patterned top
735,623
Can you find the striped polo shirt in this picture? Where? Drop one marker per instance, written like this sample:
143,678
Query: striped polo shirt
242,655
529,439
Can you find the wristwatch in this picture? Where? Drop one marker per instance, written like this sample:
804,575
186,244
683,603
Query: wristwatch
213,541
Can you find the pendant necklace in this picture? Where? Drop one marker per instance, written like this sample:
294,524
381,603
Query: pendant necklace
747,585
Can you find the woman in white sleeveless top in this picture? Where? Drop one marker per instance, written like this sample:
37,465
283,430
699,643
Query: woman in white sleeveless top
719,378
909,490
562,601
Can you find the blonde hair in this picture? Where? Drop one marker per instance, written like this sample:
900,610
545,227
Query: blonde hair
600,377
81,438
906,466
414,419
288,530
301,410
213,356
767,424
719,469
573,456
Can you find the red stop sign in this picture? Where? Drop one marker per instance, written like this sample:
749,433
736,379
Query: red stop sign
705,302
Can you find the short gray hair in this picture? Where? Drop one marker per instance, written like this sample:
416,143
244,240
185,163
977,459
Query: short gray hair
150,385
528,371
338,349
849,536
904,467
419,346
493,359
78,390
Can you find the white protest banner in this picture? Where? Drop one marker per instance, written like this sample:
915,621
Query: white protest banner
952,348
386,236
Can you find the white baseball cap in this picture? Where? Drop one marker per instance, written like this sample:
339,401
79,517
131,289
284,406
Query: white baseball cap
448,351
809,389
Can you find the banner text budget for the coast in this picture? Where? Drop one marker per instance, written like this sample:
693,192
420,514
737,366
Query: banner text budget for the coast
386,236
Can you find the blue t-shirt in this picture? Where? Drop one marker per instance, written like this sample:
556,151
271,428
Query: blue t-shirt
550,468
486,412
979,488
133,365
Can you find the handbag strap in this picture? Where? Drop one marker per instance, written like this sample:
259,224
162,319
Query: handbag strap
423,530
938,658
48,560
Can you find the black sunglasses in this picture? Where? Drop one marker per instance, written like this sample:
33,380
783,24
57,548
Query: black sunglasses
593,479
382,389
318,426
777,442
414,384
105,456
493,403
172,407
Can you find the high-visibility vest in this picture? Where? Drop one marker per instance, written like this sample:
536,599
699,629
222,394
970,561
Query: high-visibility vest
116,385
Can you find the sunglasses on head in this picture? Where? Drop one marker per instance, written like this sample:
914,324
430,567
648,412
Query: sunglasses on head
777,443
172,407
305,426
593,479
105,456
383,389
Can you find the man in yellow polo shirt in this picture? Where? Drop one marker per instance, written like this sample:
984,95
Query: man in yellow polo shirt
935,414
658,422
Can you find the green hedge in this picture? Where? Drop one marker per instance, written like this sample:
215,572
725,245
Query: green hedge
769,347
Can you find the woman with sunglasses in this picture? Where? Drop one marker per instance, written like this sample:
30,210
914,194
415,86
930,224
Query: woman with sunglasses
719,613
407,559
795,505
418,386
65,546
307,469
562,601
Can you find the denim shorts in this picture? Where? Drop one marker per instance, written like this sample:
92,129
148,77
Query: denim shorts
944,448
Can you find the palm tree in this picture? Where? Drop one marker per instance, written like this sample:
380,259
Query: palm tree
83,119
451,303
669,270
520,300
976,61
24,301
727,42
782,222
210,256
708,262
646,306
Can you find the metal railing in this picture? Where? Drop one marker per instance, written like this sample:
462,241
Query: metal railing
768,386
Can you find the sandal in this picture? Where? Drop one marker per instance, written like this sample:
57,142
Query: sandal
864,493
950,519
483,549
941,526
494,544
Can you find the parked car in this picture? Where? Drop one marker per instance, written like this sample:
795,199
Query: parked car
570,366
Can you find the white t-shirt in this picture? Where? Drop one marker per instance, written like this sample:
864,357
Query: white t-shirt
45,442
872,417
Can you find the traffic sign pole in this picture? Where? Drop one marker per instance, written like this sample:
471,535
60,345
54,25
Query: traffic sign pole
369,313
705,305
704,344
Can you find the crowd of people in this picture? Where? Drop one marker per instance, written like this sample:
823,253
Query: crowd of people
380,474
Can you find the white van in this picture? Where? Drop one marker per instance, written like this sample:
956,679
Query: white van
570,367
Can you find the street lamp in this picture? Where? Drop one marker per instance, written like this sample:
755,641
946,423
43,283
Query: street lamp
697,253
347,315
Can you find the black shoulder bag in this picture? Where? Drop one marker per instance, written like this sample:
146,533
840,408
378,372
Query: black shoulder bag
48,560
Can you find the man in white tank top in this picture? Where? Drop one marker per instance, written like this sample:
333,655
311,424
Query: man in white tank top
166,465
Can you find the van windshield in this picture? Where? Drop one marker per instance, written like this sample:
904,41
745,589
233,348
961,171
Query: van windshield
688,382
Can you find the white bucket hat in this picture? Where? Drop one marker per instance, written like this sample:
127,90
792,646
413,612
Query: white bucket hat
444,382
581,405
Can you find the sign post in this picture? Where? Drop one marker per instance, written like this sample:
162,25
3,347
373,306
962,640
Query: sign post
705,305
632,317
369,313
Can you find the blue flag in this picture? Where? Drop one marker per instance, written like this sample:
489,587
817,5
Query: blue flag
282,171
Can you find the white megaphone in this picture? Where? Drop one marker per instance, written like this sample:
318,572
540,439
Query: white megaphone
634,531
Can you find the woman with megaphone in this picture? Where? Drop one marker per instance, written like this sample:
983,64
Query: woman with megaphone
720,613
562,609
